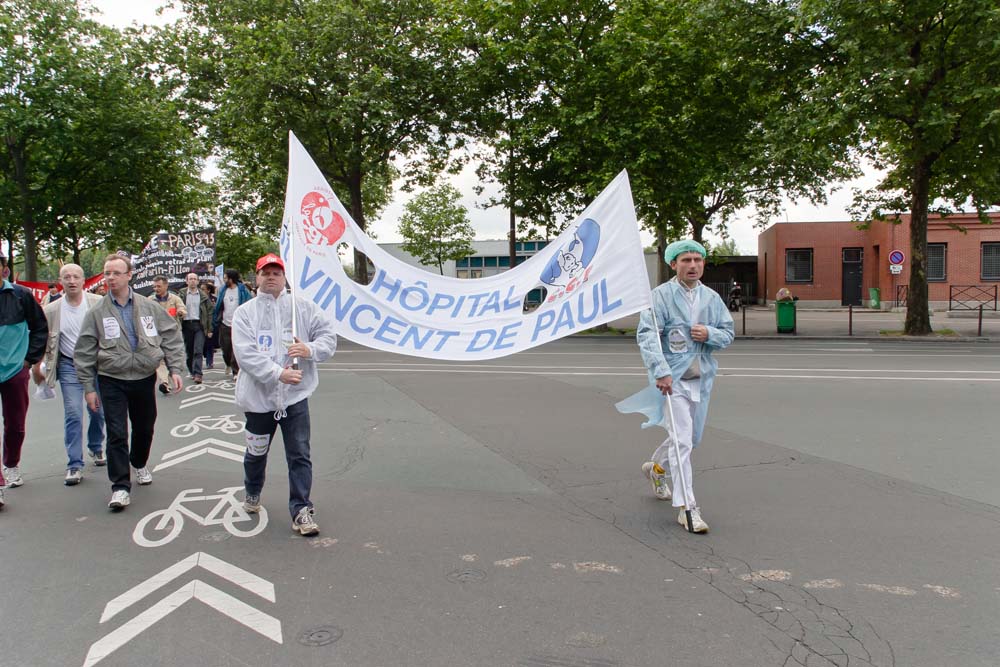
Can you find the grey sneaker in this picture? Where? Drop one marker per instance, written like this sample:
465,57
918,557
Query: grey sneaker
13,476
2,503
251,503
73,477
143,476
305,523
699,524
119,500
657,479
100,460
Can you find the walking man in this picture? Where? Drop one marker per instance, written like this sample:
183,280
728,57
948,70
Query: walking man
690,323
52,295
65,317
273,393
233,295
171,303
23,332
197,325
122,340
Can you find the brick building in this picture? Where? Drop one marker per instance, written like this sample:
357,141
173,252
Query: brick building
835,263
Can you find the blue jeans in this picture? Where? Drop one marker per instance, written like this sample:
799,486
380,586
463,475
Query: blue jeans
295,433
73,405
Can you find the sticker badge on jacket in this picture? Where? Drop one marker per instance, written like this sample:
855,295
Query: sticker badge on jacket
265,341
112,329
148,327
677,340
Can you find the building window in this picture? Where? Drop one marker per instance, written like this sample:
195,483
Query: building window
505,261
462,273
462,263
991,261
490,261
798,265
937,262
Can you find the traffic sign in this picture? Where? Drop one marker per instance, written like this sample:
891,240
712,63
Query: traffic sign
897,257
895,269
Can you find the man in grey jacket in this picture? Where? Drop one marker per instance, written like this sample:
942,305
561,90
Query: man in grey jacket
122,340
272,391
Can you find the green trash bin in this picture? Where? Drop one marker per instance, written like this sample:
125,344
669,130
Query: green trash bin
784,312
874,298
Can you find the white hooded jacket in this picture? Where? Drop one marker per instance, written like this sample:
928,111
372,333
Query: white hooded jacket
262,332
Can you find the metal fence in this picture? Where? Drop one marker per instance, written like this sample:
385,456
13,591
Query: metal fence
972,297
901,293
722,289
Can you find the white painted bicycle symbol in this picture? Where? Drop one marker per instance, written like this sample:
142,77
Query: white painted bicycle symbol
225,423
221,385
227,512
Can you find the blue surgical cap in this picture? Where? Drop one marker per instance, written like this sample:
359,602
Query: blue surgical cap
679,247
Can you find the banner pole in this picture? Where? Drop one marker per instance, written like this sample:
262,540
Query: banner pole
673,434
291,287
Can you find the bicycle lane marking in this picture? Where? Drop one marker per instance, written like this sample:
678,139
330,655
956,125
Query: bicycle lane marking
227,512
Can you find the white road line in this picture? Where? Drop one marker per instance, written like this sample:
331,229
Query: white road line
643,374
388,365
859,377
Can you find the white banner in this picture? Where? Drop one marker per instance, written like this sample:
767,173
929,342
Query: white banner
593,272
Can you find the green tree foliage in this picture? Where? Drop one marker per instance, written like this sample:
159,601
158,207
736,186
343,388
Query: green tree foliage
525,54
361,83
436,228
94,148
918,81
239,250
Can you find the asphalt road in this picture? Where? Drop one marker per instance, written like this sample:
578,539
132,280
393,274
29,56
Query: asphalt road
494,514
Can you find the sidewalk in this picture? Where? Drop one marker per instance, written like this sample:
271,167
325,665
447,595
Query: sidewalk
841,323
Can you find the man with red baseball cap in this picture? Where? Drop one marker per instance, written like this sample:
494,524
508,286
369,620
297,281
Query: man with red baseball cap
270,259
273,391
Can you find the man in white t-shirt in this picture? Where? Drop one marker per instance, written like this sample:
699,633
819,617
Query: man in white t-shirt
65,317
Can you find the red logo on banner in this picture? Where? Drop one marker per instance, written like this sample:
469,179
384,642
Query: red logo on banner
321,225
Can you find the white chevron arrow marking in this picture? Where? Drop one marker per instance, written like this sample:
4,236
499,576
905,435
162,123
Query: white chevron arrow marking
238,610
207,398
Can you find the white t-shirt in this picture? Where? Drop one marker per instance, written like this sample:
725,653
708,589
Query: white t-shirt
229,303
70,321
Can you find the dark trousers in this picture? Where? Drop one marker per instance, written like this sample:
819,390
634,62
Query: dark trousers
210,347
124,402
226,342
194,345
14,396
295,433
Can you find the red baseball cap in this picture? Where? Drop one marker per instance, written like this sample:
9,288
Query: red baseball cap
268,259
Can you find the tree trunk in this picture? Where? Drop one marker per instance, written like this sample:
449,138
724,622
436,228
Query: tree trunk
918,319
661,248
358,213
510,204
76,245
16,152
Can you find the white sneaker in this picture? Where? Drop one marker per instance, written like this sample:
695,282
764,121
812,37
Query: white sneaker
251,503
119,499
657,479
13,476
73,477
2,503
304,523
143,476
699,524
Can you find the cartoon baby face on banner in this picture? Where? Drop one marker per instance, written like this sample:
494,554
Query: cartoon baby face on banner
321,225
570,266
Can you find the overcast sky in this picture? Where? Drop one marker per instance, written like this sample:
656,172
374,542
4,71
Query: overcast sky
492,223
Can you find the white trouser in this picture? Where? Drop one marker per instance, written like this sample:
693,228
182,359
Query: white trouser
666,456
